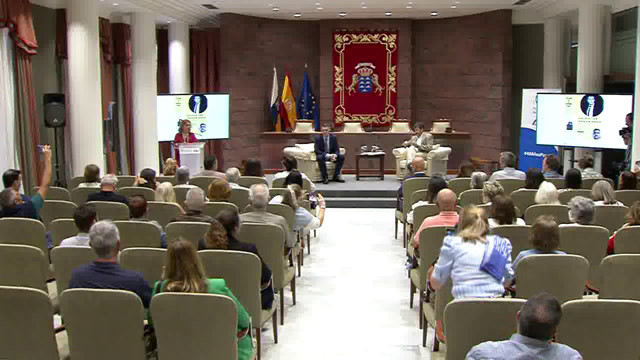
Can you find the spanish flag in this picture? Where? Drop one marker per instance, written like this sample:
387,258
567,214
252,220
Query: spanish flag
288,114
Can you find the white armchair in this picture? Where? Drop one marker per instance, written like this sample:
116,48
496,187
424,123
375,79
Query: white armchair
307,164
436,161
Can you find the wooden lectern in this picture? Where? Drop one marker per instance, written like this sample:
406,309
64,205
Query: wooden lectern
192,156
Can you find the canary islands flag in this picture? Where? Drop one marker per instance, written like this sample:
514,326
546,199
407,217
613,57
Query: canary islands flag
307,106
288,106
275,103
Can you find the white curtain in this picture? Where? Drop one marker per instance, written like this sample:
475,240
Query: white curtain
8,153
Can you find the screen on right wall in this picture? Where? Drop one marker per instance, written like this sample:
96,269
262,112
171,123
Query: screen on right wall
582,120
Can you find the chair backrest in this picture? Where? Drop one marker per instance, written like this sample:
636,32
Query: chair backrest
23,265
65,259
269,239
61,229
352,127
567,195
23,231
125,181
202,182
420,195
190,230
56,209
601,329
628,240
611,217
587,184
247,181
26,331
162,212
628,197
75,181
302,126
285,211
109,210
400,127
138,234
470,197
273,192
511,185
279,184
79,195
240,197
518,235
458,185
181,194
559,212
619,277
241,271
176,315
409,186
117,313
559,183
562,276
130,191
589,242
523,198
56,193
213,208
147,261
431,240
163,178
470,322
424,211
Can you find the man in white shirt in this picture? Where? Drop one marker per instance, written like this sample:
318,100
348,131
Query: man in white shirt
83,216
290,163
507,164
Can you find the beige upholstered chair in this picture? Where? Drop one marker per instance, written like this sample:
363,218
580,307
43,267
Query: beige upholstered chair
628,197
307,163
352,127
409,186
65,260
169,179
511,185
162,212
619,277
400,127
75,181
181,194
628,240
213,208
130,191
62,229
589,242
278,184
567,195
202,182
587,184
420,195
117,313
440,126
290,216
23,231
23,265
559,183
240,197
109,210
147,261
176,315
273,192
559,212
601,329
269,239
26,330
611,217
79,195
56,193
56,209
422,212
518,235
523,198
303,127
562,276
474,321
435,162
241,271
189,230
125,181
138,234
470,197
247,181
459,185
435,312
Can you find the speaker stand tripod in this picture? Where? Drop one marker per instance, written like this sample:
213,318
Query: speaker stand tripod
57,183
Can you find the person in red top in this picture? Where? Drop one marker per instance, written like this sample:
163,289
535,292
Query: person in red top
184,136
448,215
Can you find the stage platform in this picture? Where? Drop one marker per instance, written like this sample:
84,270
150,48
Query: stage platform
366,193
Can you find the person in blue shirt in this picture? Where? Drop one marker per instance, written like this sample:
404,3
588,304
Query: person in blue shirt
550,167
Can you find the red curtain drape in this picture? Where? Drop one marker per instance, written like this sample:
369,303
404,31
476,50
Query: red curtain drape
122,56
162,36
61,33
106,79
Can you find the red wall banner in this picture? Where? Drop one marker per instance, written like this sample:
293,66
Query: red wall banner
365,68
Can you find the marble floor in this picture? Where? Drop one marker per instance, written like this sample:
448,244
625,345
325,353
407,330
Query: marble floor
353,297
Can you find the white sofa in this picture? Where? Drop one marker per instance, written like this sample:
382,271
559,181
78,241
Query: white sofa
436,161
307,164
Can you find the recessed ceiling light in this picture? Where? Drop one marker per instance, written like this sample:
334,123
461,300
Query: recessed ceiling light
116,4
434,13
317,4
454,6
363,5
319,8
275,9
388,13
342,14
297,15
168,21
409,6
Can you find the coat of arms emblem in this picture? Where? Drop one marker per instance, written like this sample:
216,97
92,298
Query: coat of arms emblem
365,81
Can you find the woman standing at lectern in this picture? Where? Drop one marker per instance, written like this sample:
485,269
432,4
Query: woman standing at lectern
184,136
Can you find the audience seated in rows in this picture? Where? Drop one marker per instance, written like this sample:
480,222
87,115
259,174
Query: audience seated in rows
628,181
547,194
551,167
170,167
230,220
537,323
184,273
417,166
602,194
491,189
503,212
305,221
436,184
253,167
291,164
147,179
586,168
105,272
533,179
465,170
507,164
259,199
478,178
84,216
572,180
194,205
581,211
232,176
633,219
166,193
91,176
108,191
219,190
138,211
448,215
544,236
210,166
182,177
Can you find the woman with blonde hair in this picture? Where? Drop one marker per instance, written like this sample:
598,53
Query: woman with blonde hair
184,273
170,167
219,190
491,189
166,193
547,194
602,194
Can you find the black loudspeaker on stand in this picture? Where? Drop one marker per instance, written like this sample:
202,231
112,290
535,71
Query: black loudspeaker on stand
55,116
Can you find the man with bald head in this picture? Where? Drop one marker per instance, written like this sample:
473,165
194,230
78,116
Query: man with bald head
448,216
418,165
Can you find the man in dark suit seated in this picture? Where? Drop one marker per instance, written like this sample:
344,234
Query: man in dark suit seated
418,166
108,191
327,149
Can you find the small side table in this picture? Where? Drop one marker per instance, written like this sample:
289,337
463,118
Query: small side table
379,156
